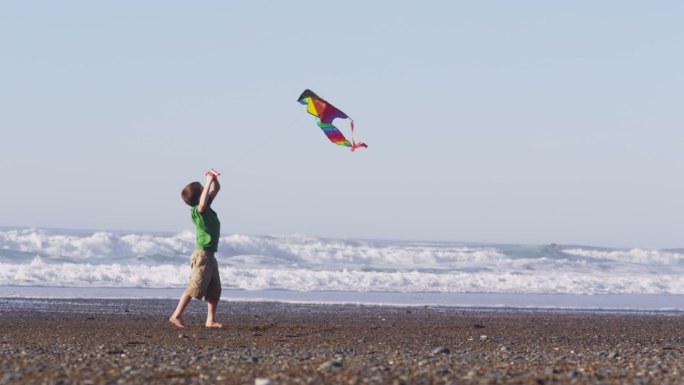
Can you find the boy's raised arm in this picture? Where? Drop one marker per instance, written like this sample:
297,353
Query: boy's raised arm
205,198
216,188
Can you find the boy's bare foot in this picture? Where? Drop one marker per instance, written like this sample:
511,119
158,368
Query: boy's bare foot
214,325
177,322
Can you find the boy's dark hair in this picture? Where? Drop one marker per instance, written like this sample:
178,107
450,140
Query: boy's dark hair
191,193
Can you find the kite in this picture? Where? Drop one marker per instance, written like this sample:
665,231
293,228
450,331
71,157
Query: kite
325,114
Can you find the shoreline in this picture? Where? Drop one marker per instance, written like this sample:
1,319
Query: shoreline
620,303
130,341
110,305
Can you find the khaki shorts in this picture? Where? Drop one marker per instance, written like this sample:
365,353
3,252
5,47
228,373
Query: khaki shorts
205,282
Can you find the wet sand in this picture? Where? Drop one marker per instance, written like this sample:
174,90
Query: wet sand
131,342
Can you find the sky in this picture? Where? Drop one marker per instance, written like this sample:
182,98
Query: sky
497,121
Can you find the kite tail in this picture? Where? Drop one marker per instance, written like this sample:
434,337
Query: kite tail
354,144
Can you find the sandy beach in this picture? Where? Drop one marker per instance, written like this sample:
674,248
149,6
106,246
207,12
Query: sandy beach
131,342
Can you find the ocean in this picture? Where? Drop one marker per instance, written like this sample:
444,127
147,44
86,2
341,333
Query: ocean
51,263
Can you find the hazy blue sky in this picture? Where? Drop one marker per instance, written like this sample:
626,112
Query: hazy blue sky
502,121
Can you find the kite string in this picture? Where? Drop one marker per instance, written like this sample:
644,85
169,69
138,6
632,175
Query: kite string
351,122
354,145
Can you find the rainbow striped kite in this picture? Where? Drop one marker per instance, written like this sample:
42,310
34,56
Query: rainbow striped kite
325,114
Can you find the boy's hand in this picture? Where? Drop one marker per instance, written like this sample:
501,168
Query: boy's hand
213,172
210,179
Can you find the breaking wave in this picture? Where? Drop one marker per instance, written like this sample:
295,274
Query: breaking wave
40,257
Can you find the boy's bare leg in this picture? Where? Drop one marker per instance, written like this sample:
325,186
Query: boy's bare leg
176,317
211,314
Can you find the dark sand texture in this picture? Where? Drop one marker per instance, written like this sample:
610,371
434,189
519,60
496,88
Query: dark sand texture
131,342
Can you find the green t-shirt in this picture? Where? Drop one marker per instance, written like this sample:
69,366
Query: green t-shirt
208,229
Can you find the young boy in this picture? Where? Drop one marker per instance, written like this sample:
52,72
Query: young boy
205,282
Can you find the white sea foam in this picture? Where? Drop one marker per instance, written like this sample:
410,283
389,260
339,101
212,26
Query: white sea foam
316,251
94,245
38,272
36,257
639,256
